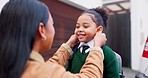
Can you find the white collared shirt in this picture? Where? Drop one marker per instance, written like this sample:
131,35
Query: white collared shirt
90,44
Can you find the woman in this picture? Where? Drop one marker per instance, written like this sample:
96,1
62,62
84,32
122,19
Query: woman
26,28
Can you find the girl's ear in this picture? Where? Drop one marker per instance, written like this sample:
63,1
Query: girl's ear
41,31
99,29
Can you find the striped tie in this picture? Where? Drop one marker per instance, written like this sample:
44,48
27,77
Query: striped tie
84,47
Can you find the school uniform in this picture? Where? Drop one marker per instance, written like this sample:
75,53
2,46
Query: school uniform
54,67
110,63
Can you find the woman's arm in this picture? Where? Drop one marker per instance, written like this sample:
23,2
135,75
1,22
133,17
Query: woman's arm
62,55
64,52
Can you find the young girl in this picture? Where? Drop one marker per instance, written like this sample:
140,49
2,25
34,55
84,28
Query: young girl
26,28
88,24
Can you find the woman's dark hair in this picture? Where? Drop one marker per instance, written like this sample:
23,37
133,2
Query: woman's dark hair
101,15
19,21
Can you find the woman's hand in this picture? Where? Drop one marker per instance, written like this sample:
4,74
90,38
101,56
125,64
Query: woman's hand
100,39
73,40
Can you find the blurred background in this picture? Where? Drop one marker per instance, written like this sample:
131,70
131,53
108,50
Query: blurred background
127,31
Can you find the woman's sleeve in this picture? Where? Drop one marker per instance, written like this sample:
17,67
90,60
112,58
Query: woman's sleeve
62,55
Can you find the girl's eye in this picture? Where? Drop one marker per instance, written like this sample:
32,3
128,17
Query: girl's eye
77,26
86,26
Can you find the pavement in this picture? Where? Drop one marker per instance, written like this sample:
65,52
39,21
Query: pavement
129,73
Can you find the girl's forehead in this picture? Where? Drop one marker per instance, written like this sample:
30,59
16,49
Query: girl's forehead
88,14
84,18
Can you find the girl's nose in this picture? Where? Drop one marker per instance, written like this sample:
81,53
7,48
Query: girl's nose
80,29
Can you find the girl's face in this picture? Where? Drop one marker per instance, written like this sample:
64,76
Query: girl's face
50,33
85,28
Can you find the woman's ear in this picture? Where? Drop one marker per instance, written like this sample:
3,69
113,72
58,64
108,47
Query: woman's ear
99,29
41,31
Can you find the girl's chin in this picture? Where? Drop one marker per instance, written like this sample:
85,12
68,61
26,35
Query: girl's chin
82,40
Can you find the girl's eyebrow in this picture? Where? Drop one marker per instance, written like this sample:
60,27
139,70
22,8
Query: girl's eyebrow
82,23
86,23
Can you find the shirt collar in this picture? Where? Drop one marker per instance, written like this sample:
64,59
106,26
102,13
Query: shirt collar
90,43
36,56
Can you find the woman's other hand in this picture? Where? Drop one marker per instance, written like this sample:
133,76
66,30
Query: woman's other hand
100,39
73,40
